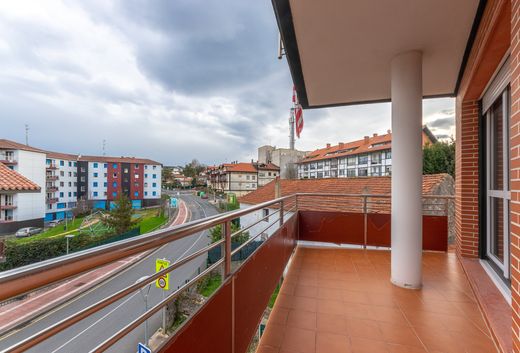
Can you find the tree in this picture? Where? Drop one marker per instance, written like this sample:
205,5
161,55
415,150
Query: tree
439,158
120,217
216,233
193,169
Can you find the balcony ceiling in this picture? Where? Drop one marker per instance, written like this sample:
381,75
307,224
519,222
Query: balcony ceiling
339,51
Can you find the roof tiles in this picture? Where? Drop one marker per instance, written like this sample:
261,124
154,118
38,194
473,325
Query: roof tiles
13,181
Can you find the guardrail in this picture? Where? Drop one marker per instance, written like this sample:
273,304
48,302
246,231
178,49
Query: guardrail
28,278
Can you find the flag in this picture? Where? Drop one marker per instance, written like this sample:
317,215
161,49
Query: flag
298,113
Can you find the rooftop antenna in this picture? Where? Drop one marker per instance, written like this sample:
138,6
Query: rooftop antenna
104,147
291,129
27,134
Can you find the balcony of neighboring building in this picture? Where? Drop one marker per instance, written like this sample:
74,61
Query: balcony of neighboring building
51,166
7,158
51,200
7,206
52,177
52,188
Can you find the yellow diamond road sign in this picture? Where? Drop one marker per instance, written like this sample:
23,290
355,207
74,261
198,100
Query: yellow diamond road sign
162,282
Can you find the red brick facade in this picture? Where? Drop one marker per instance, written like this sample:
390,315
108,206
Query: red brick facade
467,182
515,170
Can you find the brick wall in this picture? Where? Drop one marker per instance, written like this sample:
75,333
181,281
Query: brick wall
515,170
466,186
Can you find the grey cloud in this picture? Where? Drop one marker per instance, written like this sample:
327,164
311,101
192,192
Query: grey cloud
442,123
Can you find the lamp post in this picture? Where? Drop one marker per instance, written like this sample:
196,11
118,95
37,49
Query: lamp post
68,236
144,292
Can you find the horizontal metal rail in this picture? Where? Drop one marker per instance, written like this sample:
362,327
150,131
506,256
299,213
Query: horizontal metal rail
24,279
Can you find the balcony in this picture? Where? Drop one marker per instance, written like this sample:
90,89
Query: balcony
52,177
52,189
51,166
8,160
333,299
10,206
51,200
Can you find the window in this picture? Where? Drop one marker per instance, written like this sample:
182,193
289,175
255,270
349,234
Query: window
105,165
375,158
351,173
62,173
146,193
70,164
375,171
82,169
154,185
145,185
320,165
154,176
70,184
95,184
363,159
136,194
145,167
136,166
62,184
265,213
114,194
61,194
114,184
75,193
75,174
82,189
95,165
326,173
70,194
105,184
312,166
389,154
70,174
253,177
75,164
125,170
351,160
247,177
95,193
327,163
320,174
154,193
388,170
62,163
154,167
341,172
82,179
95,175
114,166
114,175
363,172
253,185
146,175
136,176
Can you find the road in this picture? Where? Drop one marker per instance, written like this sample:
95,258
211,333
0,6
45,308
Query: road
86,334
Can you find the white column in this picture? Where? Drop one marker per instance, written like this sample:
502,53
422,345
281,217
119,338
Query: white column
406,76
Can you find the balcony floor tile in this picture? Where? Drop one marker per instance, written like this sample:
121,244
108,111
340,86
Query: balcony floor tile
341,301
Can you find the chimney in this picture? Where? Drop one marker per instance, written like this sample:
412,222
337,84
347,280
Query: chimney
366,139
341,144
328,145
277,188
374,135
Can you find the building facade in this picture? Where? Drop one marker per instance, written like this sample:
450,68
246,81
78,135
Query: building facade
285,158
371,156
66,179
240,178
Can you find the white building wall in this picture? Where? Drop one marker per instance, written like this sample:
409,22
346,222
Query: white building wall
256,216
97,180
32,166
151,191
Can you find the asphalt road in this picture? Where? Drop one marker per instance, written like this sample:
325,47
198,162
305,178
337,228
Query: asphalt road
86,334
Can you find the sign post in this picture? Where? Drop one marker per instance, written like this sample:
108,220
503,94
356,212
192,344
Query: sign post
141,348
163,283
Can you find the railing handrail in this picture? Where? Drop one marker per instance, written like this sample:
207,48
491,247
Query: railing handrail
26,278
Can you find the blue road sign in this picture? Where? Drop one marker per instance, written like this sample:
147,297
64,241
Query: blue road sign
141,348
173,202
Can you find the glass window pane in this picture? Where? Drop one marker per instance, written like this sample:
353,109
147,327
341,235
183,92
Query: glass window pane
497,146
497,228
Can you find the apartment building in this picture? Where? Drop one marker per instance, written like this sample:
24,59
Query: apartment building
371,156
285,158
241,178
66,178
22,198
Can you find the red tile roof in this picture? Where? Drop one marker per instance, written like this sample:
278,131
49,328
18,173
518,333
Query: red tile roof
117,159
363,185
366,145
11,145
13,181
268,166
240,167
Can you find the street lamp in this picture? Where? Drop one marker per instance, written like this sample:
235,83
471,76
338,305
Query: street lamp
144,292
68,236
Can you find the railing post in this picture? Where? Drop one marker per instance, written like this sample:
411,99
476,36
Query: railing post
365,222
281,214
227,249
296,202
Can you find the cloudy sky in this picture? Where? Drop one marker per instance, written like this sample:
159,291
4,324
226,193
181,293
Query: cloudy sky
168,80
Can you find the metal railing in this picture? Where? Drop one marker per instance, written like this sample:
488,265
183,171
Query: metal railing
23,280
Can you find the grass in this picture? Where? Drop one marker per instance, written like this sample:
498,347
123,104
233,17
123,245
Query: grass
52,232
273,297
210,285
152,223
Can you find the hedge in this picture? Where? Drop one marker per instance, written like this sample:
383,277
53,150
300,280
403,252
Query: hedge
21,254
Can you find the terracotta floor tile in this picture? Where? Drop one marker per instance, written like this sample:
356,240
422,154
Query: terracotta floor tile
363,345
341,300
332,343
399,334
332,323
364,329
299,340
302,319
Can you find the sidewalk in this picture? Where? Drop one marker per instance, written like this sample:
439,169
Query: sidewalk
18,312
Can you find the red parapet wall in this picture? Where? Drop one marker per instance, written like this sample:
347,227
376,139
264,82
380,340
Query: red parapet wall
246,294
348,228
